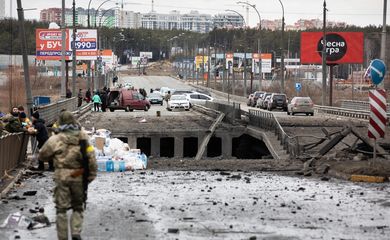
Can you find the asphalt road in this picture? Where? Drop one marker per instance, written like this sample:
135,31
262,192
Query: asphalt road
213,205
156,204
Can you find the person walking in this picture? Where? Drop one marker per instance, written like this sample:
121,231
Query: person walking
96,101
88,95
103,98
75,167
80,98
42,135
168,97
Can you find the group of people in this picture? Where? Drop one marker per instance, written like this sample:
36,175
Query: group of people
69,155
17,121
99,98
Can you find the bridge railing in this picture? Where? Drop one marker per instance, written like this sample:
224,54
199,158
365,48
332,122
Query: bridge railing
51,111
345,112
358,105
232,111
13,149
267,120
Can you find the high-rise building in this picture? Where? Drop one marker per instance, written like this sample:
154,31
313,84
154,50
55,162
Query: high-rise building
128,19
2,9
228,21
51,15
193,21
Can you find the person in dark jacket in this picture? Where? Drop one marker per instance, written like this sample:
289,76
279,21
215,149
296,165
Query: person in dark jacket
42,135
103,98
88,95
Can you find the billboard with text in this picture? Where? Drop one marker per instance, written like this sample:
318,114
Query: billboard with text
48,44
341,47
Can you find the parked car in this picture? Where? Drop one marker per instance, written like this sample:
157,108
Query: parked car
155,98
164,91
301,105
252,98
260,101
178,102
202,91
266,101
198,98
277,101
181,92
127,100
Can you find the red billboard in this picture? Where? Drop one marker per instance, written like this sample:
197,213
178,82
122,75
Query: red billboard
341,47
48,44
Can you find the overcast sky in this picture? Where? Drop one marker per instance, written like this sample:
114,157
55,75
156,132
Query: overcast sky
357,12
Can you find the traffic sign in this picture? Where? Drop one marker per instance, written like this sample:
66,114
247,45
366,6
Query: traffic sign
378,116
377,70
298,86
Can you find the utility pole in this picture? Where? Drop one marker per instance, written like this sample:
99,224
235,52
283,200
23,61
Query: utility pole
324,57
245,87
25,59
74,51
63,51
282,50
383,41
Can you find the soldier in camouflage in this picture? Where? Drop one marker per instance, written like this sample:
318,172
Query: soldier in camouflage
64,149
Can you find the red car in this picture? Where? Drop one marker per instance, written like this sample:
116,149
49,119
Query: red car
127,100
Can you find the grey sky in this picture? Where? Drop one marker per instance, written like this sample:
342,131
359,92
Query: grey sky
357,12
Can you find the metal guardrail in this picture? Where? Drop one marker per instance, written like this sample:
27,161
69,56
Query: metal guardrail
51,111
345,112
267,120
13,149
358,105
232,111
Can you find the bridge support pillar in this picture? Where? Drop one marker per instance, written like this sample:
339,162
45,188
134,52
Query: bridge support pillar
132,141
155,146
226,146
179,147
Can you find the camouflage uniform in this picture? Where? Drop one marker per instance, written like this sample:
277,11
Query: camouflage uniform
64,149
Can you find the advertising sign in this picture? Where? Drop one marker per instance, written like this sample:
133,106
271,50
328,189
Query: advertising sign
86,43
48,44
341,47
266,63
229,59
149,55
199,60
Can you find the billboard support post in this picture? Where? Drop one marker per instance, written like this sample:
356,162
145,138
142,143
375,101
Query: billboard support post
74,51
324,57
331,84
63,50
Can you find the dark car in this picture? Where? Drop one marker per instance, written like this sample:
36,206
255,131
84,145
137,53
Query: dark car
155,98
127,100
277,101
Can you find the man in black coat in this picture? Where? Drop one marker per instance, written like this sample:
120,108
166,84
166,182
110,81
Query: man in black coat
42,135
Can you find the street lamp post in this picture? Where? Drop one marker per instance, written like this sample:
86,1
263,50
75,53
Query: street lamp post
243,19
282,49
258,43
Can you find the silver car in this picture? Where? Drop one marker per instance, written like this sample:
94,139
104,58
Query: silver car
301,105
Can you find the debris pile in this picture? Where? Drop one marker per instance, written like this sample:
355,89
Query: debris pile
113,155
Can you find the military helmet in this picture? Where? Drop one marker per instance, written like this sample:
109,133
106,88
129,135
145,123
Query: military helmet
66,117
